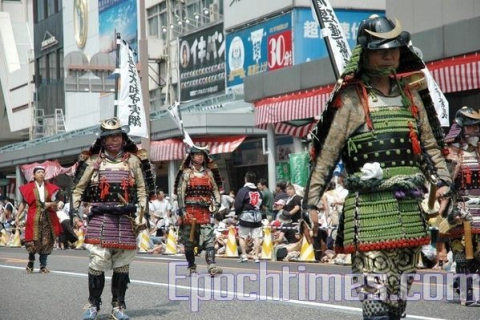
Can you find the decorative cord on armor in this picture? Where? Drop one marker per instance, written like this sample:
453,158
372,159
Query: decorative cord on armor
351,146
399,182
417,149
104,187
125,184
148,176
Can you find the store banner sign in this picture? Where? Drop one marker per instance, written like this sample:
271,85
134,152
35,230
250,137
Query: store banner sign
308,42
299,168
264,47
283,171
202,63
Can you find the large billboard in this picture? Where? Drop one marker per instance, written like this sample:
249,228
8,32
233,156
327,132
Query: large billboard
117,16
202,63
308,42
263,47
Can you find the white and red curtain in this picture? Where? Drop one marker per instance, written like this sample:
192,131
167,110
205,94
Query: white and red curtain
174,149
292,106
455,74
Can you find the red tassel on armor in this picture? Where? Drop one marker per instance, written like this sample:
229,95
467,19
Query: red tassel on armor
413,107
312,154
468,175
363,94
415,143
124,186
104,187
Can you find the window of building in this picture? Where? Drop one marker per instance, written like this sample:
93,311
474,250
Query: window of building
52,7
60,64
42,70
52,67
40,9
152,17
157,20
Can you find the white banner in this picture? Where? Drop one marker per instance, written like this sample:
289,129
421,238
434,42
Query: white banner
129,104
175,114
438,98
334,34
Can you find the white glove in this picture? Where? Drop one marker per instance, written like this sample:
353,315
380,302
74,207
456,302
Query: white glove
473,201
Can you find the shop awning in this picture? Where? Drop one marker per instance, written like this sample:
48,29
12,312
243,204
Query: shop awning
457,73
286,111
174,149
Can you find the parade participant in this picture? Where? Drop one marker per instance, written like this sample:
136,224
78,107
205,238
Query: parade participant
389,139
110,178
248,202
196,187
41,226
463,144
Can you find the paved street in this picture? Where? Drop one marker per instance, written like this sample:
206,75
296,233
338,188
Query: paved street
159,289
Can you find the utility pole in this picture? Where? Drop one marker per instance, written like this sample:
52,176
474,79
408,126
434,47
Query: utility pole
143,46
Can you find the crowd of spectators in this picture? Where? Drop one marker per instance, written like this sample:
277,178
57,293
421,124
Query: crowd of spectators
281,211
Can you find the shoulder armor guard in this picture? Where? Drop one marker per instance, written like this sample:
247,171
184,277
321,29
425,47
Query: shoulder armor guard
84,156
416,81
142,154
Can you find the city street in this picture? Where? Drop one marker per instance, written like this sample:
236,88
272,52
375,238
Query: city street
159,289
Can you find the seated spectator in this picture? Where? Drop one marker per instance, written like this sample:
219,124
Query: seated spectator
288,231
278,207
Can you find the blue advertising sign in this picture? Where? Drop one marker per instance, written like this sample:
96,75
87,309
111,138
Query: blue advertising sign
308,42
263,47
117,16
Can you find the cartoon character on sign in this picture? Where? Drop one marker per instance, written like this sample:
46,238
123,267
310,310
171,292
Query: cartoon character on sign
236,58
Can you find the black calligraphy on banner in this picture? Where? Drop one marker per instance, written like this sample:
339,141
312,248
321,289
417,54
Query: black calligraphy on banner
202,63
441,103
134,94
339,50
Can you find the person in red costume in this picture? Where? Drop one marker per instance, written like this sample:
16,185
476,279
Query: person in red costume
196,187
41,224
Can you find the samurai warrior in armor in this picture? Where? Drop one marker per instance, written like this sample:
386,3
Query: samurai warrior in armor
110,178
385,129
196,187
464,147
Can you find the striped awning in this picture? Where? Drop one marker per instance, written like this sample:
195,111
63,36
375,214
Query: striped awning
175,149
457,73
280,110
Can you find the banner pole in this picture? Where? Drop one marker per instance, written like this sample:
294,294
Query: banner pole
117,76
